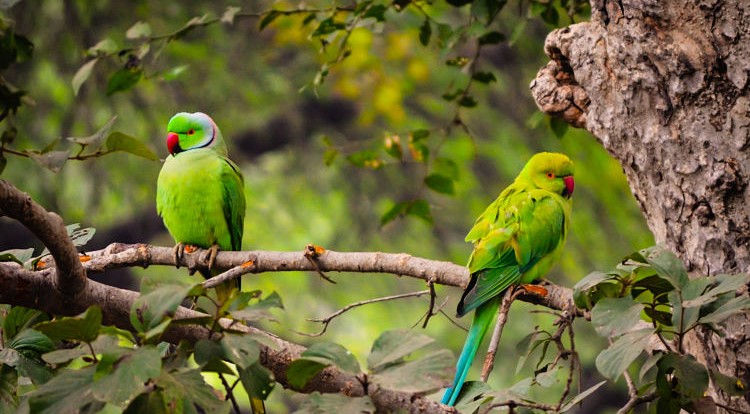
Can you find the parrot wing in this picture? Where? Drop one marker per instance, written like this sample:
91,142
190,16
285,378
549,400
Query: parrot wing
234,201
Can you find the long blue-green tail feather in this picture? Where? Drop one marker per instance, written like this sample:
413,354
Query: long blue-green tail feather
482,318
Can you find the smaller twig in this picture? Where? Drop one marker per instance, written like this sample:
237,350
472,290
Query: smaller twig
635,401
237,271
511,404
327,320
312,252
502,318
439,309
430,311
230,394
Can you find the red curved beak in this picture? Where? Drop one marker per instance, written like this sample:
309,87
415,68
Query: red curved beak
569,185
173,143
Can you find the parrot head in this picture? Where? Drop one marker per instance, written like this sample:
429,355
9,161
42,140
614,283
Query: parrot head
552,172
187,132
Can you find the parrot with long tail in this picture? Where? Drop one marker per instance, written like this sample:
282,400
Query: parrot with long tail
200,196
516,241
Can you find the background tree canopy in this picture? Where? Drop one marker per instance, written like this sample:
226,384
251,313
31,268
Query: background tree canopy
359,127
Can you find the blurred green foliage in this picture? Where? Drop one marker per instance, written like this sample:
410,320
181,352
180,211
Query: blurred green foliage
336,120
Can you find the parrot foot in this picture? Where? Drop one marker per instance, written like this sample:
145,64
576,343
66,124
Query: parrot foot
212,252
535,290
179,253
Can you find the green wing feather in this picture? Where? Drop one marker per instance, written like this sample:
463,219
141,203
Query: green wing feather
234,202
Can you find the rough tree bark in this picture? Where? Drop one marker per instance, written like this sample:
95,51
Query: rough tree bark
663,86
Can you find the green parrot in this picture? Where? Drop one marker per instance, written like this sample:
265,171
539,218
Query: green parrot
200,195
516,241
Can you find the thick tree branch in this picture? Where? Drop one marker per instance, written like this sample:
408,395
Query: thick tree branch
49,228
118,255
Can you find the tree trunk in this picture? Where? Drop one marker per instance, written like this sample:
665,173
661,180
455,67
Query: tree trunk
663,85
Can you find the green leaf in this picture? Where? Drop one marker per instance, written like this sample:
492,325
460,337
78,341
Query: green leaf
129,378
105,46
9,135
65,355
491,38
376,12
148,403
580,397
335,403
558,126
392,145
614,316
31,343
82,74
268,19
84,327
117,141
446,166
190,25
124,79
149,310
138,30
19,256
692,376
365,159
333,353
300,371
327,27
467,102
440,183
257,381
240,350
68,392
726,284
393,346
648,366
726,310
423,375
484,77
97,138
469,399
207,350
53,160
667,265
188,387
591,280
20,318
730,385
260,310
396,210
8,389
316,358
421,209
3,162
614,360
425,32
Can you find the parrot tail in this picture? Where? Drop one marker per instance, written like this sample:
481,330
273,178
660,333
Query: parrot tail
257,406
482,318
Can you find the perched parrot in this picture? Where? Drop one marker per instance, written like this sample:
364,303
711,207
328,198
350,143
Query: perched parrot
516,241
200,194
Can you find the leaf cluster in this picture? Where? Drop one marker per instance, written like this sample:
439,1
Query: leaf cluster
649,297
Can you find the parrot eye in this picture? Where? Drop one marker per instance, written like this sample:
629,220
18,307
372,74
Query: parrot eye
550,175
191,131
